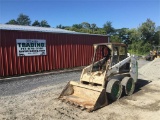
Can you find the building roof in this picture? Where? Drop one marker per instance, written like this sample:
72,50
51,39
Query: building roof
33,28
39,29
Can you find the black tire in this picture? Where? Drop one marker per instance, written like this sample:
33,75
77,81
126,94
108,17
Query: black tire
148,57
128,85
114,89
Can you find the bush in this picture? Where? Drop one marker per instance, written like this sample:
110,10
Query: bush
140,48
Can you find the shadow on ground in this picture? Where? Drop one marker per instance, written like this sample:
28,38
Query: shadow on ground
138,87
141,83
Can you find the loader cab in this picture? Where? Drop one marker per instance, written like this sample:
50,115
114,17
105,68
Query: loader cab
119,53
102,53
109,54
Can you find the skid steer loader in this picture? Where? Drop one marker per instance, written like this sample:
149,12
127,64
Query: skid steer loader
110,73
155,53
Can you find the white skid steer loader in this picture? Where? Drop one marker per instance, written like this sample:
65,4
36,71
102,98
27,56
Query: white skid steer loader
110,73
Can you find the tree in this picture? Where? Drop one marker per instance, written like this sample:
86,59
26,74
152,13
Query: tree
122,32
115,38
156,38
44,23
147,30
13,22
134,34
23,20
157,28
63,27
78,26
86,25
108,27
36,23
59,26
93,27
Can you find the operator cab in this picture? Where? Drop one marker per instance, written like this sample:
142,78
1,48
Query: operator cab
109,54
101,56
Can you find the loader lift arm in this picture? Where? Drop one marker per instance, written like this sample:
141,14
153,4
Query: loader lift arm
133,65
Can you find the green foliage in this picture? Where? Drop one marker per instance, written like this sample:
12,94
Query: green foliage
93,27
36,23
122,32
156,38
134,34
44,23
157,28
13,22
143,38
23,20
108,27
86,25
147,30
140,47
140,40
85,28
78,26
115,38
63,27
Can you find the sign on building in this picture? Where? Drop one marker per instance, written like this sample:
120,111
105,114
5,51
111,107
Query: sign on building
31,47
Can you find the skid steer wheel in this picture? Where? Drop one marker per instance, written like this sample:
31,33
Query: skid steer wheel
114,89
128,85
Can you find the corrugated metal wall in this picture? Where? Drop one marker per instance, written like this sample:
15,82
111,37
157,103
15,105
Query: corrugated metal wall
63,51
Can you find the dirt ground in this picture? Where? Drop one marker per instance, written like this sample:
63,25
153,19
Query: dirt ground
36,99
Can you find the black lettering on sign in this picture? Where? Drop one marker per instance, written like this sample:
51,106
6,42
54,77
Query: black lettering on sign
23,45
19,44
27,45
38,45
42,44
32,44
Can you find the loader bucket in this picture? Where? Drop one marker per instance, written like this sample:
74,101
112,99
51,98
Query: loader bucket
84,96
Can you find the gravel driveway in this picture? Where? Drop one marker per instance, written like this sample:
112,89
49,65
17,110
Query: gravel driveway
36,98
21,86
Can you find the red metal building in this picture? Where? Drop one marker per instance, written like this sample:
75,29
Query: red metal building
65,49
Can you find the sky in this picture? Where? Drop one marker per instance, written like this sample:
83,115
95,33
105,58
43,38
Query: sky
122,13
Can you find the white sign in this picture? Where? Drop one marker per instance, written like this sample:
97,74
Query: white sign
31,47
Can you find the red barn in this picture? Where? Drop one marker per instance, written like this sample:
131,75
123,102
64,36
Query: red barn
28,49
